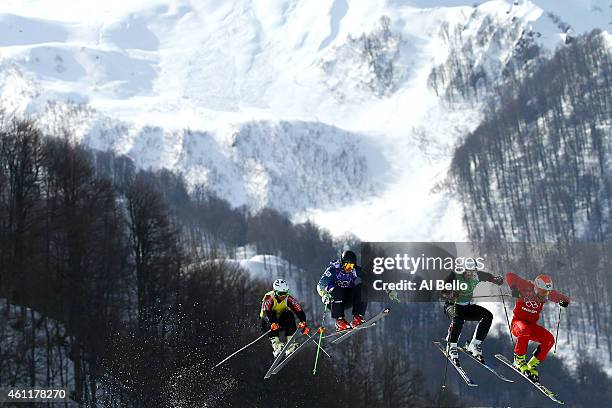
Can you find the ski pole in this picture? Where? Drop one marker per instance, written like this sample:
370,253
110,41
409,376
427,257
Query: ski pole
445,371
557,335
492,296
322,349
446,366
314,370
443,384
239,350
507,320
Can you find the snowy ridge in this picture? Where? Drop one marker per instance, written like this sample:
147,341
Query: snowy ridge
312,164
341,91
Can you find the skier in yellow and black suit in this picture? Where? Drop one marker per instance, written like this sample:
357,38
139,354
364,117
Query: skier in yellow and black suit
277,313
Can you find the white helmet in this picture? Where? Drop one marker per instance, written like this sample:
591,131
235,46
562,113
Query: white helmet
280,286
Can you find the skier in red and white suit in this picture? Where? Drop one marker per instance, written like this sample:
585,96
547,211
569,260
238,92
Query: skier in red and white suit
531,296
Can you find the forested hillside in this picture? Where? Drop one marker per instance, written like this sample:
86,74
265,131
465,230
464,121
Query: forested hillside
538,168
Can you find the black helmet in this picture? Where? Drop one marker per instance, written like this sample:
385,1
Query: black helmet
349,257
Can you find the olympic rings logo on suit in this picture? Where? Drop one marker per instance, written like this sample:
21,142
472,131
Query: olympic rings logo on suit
532,304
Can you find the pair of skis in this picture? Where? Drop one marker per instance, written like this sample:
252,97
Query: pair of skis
504,360
462,372
281,360
346,334
459,369
544,390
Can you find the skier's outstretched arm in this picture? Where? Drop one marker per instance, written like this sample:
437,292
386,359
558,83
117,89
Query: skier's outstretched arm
296,308
489,277
326,282
299,312
362,278
559,298
518,285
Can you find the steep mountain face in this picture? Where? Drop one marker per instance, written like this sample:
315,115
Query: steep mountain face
312,165
339,113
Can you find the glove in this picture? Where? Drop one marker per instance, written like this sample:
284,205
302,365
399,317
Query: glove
326,298
515,292
274,326
498,280
393,296
305,329
563,303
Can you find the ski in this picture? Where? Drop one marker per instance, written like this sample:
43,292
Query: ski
322,349
538,385
459,369
365,325
280,365
336,334
501,377
280,356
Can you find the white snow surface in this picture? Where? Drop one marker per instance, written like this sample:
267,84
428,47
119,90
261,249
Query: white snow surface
323,112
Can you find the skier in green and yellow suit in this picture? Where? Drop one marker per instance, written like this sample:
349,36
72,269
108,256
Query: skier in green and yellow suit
278,308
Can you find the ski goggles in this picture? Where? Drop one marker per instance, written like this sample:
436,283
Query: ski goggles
348,266
281,293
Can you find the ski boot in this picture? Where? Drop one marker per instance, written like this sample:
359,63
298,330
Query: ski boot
357,320
342,324
453,353
277,346
292,347
520,364
475,349
533,371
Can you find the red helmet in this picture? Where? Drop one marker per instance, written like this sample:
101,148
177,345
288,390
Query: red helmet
543,284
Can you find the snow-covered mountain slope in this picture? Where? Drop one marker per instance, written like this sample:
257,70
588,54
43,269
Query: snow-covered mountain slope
324,112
